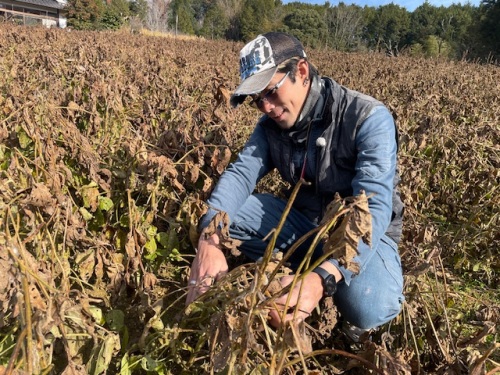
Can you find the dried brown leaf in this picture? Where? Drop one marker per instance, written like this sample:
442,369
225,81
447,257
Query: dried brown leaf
220,224
208,184
74,369
86,263
478,366
149,281
220,341
333,209
3,371
328,318
36,299
90,196
193,171
41,196
297,337
342,244
99,266
130,246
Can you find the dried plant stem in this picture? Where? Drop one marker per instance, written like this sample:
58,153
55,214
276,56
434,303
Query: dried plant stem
301,355
27,302
343,353
15,353
486,355
445,354
445,310
28,321
408,319
272,242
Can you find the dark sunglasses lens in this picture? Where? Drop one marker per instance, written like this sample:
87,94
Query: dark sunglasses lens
256,102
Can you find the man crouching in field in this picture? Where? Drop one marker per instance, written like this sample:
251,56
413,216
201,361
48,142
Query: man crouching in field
339,141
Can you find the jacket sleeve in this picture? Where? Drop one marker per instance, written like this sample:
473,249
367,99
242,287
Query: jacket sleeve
376,148
239,180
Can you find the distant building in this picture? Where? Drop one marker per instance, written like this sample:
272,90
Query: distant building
50,13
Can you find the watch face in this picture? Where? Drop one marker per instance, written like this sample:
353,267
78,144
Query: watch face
329,282
330,285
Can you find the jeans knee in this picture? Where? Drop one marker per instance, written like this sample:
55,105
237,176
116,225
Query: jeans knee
374,314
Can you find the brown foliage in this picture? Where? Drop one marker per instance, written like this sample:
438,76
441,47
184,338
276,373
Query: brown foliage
110,142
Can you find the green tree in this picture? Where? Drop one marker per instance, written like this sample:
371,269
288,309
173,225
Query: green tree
308,25
257,17
116,12
424,22
183,16
434,46
455,23
215,24
388,29
85,14
449,29
490,28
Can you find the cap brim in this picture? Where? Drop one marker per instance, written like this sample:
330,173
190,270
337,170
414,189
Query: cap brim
252,85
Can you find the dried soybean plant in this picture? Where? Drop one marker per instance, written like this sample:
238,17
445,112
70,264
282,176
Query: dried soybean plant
109,144
234,312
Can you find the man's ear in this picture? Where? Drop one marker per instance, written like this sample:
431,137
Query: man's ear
303,69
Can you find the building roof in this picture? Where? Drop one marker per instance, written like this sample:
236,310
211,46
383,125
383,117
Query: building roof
45,3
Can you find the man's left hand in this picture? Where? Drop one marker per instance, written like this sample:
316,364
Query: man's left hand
310,295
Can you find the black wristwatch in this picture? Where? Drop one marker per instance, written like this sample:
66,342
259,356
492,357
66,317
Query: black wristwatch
328,280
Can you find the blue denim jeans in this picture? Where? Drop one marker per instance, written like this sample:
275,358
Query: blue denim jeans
370,299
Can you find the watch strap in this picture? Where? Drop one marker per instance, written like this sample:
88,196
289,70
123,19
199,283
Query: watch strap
321,272
328,281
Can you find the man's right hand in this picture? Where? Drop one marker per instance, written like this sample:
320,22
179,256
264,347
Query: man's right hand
208,266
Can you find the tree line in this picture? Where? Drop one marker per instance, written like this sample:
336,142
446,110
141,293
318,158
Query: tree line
458,31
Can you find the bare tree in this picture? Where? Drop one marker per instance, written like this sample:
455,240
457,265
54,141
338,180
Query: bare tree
344,23
158,13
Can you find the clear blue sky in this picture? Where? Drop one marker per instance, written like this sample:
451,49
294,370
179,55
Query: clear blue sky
408,4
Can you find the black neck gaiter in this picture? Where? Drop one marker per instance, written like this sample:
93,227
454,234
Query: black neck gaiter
312,108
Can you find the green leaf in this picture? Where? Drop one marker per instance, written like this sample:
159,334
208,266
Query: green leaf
168,240
105,204
125,368
162,239
86,214
151,231
120,240
97,314
151,246
175,255
24,140
108,349
100,220
116,320
148,363
124,221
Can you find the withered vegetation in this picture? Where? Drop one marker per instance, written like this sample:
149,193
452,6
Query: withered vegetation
110,143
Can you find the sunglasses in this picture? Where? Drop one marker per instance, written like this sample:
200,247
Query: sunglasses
259,100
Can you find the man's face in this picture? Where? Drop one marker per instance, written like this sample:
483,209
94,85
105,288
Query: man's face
282,99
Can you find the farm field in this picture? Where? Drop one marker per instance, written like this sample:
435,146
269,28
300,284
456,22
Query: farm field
110,142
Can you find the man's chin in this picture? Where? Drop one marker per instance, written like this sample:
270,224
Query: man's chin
285,125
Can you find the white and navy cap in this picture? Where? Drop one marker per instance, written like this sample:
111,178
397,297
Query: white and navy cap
259,61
